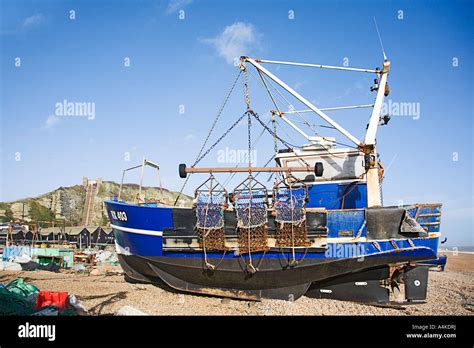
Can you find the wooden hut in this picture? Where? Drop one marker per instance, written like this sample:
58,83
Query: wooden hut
51,234
78,235
99,236
109,236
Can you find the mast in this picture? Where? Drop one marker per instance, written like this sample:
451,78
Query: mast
303,100
368,145
369,148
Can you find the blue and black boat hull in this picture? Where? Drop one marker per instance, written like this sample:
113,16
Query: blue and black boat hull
147,239
274,279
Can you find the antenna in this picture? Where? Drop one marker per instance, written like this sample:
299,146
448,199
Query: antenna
380,39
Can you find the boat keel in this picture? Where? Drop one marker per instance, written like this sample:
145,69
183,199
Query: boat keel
367,287
289,293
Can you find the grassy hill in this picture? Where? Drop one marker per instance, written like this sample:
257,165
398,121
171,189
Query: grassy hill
68,203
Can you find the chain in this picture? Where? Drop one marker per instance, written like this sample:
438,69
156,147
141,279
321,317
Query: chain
275,144
217,117
199,157
284,142
220,138
249,134
287,144
265,165
246,88
248,112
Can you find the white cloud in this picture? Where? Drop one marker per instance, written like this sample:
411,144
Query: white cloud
175,5
51,121
189,137
34,20
299,84
236,40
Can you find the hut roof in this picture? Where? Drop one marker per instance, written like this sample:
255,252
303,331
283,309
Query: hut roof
4,232
74,230
107,230
48,230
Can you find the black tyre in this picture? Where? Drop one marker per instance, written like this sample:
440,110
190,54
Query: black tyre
182,170
318,169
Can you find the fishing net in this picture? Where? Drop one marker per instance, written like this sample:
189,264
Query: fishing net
211,200
290,216
18,298
250,202
209,210
290,204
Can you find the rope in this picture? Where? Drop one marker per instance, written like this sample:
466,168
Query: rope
294,263
289,204
292,226
252,268
251,213
216,223
208,265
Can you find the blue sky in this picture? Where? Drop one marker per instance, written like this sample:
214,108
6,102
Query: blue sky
188,62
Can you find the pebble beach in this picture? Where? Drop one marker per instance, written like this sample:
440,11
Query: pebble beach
449,293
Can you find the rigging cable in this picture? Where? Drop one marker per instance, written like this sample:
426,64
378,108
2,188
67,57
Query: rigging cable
304,121
232,175
226,99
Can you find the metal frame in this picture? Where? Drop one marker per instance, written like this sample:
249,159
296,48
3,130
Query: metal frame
316,66
290,182
367,146
250,184
329,109
370,137
213,186
144,163
247,169
298,96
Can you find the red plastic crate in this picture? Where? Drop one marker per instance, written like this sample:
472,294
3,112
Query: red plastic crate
51,298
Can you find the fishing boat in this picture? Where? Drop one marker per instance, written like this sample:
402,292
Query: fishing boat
320,229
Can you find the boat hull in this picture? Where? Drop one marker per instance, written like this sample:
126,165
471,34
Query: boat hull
159,244
275,278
